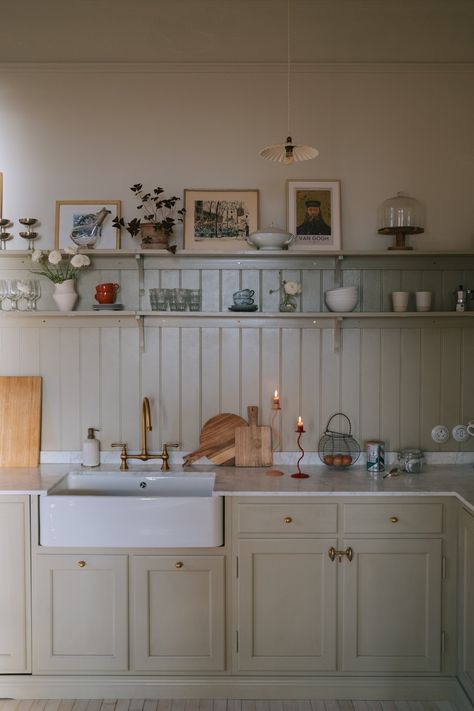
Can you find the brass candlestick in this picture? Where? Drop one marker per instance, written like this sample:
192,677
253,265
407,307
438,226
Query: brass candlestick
5,236
29,235
276,407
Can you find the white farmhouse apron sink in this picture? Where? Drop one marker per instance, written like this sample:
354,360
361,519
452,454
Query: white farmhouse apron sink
129,510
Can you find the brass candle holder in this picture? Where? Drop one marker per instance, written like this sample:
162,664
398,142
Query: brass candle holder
29,234
276,407
5,236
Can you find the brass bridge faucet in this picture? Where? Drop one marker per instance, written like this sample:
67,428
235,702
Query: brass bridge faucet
144,455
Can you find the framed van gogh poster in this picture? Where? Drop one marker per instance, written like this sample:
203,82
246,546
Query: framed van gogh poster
314,214
219,220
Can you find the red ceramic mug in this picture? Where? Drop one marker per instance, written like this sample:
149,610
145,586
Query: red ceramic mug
106,293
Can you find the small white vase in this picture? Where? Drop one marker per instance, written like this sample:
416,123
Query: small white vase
65,295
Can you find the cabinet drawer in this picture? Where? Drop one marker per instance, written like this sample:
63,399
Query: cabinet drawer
393,518
286,518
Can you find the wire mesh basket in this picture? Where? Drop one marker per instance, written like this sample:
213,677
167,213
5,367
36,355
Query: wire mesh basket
338,450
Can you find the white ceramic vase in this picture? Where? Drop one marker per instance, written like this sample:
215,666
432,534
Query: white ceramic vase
65,295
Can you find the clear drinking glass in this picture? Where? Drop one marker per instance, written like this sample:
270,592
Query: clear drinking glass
3,292
35,293
171,298
14,293
181,299
194,299
158,300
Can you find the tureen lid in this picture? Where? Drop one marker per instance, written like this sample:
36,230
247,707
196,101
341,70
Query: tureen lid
272,230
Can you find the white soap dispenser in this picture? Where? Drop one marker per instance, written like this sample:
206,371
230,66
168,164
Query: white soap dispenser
90,449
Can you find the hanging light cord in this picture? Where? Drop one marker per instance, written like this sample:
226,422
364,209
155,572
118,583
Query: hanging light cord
288,63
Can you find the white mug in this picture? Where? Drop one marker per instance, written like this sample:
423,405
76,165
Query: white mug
470,427
423,300
400,300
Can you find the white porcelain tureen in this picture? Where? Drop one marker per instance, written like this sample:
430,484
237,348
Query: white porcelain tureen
270,238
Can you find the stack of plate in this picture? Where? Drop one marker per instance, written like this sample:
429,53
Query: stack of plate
107,307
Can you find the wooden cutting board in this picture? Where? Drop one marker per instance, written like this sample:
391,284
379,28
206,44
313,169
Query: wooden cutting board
217,439
253,444
20,420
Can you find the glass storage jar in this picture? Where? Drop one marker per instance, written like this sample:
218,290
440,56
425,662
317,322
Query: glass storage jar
411,460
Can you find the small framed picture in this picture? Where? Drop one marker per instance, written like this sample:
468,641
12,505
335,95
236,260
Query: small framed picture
87,224
219,220
314,214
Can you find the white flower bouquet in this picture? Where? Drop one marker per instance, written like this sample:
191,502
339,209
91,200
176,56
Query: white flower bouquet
289,290
58,267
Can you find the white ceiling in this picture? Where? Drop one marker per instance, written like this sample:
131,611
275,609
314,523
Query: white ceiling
236,30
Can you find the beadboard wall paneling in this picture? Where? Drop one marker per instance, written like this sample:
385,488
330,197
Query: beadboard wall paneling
394,383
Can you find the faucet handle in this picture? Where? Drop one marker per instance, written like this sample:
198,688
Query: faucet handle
123,454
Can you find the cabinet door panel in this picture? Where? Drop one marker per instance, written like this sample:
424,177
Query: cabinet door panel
466,627
178,613
287,606
15,585
80,613
392,605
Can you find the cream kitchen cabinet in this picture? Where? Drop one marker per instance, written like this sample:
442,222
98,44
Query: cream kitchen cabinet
178,613
15,586
392,587
80,613
377,579
286,586
466,607
391,607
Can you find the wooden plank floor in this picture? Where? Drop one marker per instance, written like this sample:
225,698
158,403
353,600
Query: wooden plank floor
218,705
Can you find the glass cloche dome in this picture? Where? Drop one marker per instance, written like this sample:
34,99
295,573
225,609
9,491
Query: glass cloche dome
401,215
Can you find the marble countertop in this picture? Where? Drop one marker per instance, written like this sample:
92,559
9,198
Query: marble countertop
435,480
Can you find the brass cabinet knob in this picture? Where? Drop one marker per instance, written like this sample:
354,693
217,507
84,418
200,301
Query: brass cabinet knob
81,563
394,519
178,565
287,519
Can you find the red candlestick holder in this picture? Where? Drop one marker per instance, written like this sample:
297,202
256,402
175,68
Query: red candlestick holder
299,474
276,407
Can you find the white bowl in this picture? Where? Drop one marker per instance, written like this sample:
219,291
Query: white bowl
346,301
343,290
270,238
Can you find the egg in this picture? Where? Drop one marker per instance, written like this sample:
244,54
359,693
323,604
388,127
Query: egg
346,460
328,459
338,460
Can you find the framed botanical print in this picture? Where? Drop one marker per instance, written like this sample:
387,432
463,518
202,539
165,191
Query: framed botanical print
314,214
87,224
219,220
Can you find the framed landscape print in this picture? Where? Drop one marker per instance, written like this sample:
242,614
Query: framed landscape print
314,214
219,220
87,224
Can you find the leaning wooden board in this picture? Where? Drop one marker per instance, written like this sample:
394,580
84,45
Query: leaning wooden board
253,444
217,439
20,420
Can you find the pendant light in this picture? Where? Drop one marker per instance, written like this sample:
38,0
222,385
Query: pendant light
288,152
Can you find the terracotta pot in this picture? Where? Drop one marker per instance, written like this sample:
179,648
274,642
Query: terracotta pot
65,295
152,237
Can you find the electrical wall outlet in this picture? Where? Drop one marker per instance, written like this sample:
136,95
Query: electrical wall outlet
440,434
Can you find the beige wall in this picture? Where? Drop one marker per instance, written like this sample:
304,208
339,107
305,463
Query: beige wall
68,133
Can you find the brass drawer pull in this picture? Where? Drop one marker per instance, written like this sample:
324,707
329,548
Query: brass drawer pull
288,519
349,553
178,565
81,563
394,519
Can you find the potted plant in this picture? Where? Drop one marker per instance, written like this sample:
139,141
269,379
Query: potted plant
159,218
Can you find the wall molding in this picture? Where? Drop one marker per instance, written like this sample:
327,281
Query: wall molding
304,687
236,67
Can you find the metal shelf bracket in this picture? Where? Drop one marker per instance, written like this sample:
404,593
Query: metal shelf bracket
337,334
338,270
141,331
